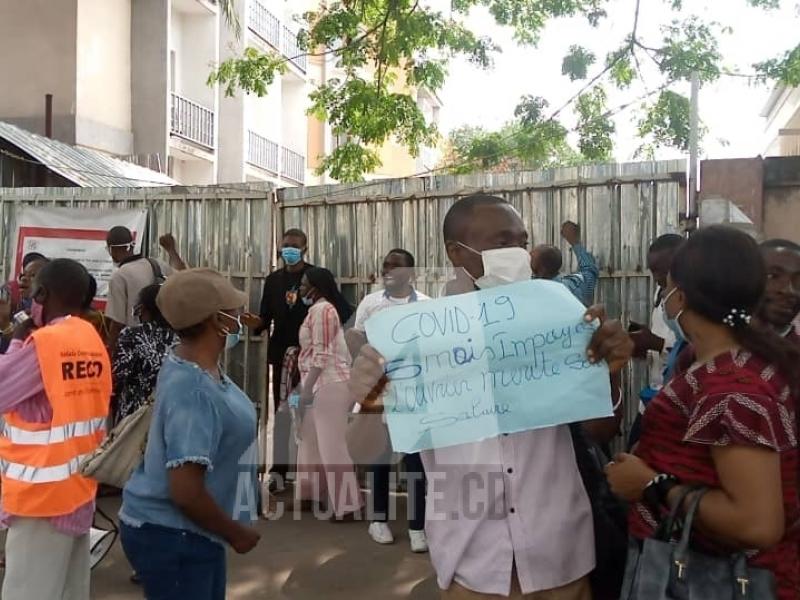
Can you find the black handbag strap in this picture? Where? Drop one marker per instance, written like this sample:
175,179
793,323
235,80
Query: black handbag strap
158,275
679,567
682,549
667,526
679,584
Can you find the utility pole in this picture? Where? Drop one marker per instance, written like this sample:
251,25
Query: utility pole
694,151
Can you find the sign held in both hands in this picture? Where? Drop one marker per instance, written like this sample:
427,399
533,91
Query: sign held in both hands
473,366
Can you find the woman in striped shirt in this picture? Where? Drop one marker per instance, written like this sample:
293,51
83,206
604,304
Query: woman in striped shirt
324,467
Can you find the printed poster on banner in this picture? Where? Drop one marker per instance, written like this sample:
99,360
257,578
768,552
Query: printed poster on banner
79,234
473,366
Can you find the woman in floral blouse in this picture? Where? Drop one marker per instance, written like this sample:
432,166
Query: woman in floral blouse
138,355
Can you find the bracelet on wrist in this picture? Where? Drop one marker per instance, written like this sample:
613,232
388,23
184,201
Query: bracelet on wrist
656,492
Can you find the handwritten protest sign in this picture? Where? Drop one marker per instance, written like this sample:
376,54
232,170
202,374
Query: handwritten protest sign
470,367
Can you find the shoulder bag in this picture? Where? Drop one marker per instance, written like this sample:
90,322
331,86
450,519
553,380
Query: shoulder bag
660,569
114,461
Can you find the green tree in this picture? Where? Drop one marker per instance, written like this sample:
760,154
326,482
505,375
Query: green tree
529,141
374,42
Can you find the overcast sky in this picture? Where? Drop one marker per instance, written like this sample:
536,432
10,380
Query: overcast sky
730,108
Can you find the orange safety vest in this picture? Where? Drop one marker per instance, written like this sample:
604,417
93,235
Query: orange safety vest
39,461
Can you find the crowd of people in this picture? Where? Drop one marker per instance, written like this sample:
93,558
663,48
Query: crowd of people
545,514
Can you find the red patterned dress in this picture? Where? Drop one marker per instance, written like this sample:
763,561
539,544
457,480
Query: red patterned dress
735,398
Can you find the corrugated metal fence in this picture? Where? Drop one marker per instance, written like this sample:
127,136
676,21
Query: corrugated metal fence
228,228
621,209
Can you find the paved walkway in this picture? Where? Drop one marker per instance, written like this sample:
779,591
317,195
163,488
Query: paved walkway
305,559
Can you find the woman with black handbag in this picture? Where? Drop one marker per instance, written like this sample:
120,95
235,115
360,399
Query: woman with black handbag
727,426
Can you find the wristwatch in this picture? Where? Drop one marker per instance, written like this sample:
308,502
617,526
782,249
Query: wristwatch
656,491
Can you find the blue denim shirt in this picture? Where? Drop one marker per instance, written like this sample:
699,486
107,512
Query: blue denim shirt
582,283
196,419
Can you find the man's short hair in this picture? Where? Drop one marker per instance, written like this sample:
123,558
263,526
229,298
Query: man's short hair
777,243
454,220
404,253
119,236
668,241
67,280
32,257
299,233
550,259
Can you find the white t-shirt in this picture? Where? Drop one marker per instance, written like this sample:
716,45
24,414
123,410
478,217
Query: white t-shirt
378,301
124,286
658,360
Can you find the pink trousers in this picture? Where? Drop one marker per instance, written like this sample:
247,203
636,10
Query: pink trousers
324,467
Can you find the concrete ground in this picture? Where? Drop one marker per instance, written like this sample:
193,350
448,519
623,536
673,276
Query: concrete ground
303,559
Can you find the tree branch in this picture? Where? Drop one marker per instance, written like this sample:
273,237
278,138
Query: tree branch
608,67
382,45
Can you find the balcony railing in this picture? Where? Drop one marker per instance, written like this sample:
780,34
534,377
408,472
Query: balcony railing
292,50
293,165
192,121
790,144
261,152
264,24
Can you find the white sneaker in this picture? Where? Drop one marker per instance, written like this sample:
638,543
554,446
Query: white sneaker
380,533
419,543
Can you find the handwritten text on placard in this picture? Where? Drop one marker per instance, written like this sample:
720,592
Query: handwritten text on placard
473,366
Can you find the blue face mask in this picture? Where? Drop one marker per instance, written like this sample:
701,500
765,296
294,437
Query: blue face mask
308,301
291,256
232,339
672,322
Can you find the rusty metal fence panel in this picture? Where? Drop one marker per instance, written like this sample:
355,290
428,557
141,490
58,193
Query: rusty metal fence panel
621,208
227,228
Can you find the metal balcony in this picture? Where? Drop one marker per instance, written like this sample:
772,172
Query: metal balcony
261,152
264,24
192,121
292,50
293,165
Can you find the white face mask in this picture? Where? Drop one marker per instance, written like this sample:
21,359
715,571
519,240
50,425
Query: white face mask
502,266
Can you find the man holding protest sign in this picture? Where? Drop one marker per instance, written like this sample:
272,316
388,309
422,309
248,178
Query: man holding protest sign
507,514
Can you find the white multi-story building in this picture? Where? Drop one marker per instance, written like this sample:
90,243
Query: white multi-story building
130,78
266,138
782,129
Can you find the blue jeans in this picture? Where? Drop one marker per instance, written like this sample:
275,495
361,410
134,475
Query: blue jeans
174,564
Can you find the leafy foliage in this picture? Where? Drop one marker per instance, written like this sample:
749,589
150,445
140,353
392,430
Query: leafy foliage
666,123
689,46
255,71
594,127
530,141
785,69
576,64
620,68
384,49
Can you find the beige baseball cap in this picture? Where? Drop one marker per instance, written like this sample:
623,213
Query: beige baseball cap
190,297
